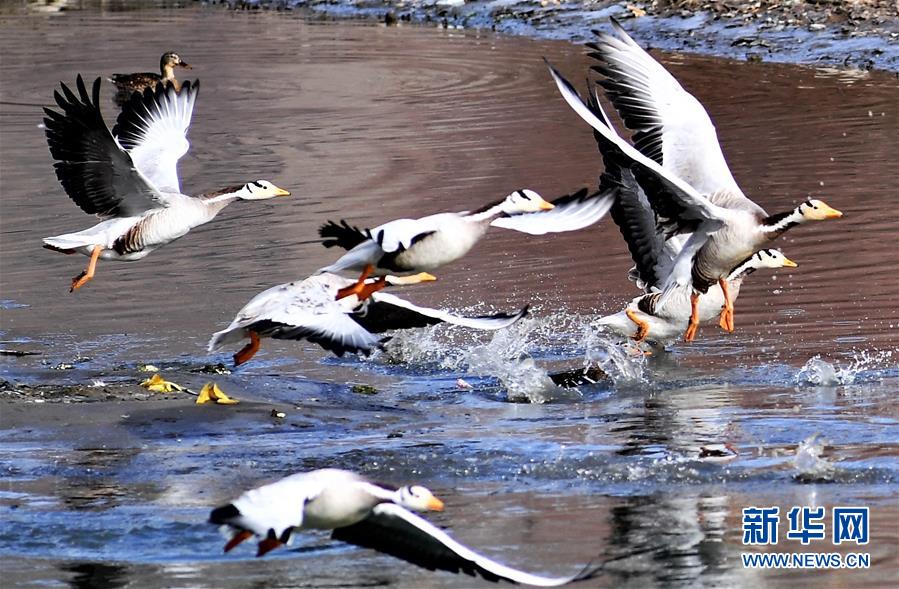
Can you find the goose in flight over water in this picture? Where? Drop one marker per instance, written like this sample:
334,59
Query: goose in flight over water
407,246
129,177
128,84
645,318
314,309
678,162
364,513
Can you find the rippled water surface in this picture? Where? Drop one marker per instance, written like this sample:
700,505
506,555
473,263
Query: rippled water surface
373,123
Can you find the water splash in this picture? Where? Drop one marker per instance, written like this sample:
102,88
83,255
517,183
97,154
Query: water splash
809,464
863,366
623,365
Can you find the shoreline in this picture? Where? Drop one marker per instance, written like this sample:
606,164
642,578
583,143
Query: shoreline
854,35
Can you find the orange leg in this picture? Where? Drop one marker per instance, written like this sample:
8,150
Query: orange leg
360,288
266,546
726,319
237,539
82,278
249,350
690,334
642,326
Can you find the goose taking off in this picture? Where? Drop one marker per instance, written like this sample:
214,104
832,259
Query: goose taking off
128,84
645,318
407,246
129,177
679,164
366,514
314,309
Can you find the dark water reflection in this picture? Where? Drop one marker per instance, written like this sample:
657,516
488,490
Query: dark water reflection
374,123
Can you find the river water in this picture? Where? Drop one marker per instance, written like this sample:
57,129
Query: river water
371,123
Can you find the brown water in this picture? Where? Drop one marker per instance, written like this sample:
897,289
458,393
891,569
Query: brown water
372,123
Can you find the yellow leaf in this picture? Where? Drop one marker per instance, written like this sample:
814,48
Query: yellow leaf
157,384
212,392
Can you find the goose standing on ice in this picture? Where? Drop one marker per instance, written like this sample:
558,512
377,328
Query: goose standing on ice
313,309
679,163
128,84
129,177
366,514
407,246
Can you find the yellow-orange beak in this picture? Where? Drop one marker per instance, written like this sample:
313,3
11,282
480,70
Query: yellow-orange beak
435,504
424,277
547,206
788,263
831,213
281,192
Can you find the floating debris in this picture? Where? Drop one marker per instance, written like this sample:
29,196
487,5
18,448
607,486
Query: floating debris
462,384
18,353
157,384
364,389
147,368
212,392
218,368
717,452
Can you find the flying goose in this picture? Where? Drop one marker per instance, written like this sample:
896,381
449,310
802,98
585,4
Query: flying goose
129,177
678,162
127,84
645,318
407,246
364,513
316,310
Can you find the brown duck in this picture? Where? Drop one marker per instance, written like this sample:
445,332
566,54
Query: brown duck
128,84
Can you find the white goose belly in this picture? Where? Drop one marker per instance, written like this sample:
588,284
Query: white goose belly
449,243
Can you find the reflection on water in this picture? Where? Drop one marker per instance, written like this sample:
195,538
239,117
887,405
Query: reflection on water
373,123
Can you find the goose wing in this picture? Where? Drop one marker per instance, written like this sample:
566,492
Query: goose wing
677,204
653,256
304,310
570,213
92,167
153,128
670,125
395,531
385,312
333,329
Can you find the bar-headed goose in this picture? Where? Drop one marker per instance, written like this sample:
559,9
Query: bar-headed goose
407,246
647,317
129,177
364,513
127,84
316,309
679,163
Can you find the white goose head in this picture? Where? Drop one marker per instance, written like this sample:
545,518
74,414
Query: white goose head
260,190
817,210
771,258
764,258
524,201
417,498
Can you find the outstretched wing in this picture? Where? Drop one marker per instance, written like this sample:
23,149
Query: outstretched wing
670,125
384,312
93,169
672,199
395,531
570,213
153,128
